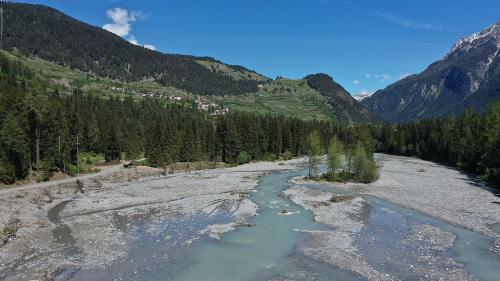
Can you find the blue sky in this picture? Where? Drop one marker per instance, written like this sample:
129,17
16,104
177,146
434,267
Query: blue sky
364,45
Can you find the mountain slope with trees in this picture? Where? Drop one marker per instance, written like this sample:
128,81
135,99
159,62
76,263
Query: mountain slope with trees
467,77
42,130
348,110
49,34
36,33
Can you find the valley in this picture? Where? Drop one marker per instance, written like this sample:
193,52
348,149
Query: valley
128,153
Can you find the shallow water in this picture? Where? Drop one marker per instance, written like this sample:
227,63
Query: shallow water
388,225
267,250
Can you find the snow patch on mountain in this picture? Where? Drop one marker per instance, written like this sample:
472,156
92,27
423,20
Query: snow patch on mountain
469,41
361,96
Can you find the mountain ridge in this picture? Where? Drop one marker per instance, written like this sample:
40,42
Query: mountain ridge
45,32
468,76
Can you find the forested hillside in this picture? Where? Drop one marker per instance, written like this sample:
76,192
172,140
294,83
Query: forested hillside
97,61
42,130
49,34
348,110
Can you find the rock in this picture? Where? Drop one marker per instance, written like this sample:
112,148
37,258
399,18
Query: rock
340,198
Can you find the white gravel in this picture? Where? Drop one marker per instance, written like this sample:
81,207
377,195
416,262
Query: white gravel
90,215
433,189
337,246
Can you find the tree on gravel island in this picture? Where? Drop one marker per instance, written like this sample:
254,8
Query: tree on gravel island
364,167
335,151
314,150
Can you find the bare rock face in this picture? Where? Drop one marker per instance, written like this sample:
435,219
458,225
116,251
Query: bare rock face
467,77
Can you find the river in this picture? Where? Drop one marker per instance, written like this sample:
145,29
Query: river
268,250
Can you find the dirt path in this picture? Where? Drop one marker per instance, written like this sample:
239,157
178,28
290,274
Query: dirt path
103,172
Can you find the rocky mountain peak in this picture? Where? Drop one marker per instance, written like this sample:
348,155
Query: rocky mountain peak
477,38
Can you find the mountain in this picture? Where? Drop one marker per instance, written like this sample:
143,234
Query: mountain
41,31
67,54
467,77
347,108
361,97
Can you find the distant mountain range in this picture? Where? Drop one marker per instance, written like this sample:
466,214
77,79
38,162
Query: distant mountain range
40,35
467,77
361,97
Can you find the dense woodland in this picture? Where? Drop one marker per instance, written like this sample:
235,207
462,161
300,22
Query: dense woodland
470,141
43,131
49,34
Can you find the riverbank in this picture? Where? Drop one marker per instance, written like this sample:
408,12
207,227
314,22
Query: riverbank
383,241
442,192
71,227
352,241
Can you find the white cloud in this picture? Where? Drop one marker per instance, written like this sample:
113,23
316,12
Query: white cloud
355,82
121,21
408,23
121,24
383,77
132,40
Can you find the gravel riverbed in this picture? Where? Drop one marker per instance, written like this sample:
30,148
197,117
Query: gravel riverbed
436,190
63,230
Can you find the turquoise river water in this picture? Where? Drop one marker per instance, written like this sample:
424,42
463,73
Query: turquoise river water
268,250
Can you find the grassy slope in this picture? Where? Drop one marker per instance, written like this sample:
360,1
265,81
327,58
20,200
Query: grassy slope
65,79
291,98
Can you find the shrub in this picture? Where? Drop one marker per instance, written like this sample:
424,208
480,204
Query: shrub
7,173
9,231
271,157
243,158
71,169
47,171
287,155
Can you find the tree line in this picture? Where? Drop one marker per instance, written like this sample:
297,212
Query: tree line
43,130
470,141
46,131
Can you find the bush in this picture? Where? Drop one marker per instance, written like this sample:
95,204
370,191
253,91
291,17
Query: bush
287,155
271,157
7,173
47,171
9,231
71,169
243,158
